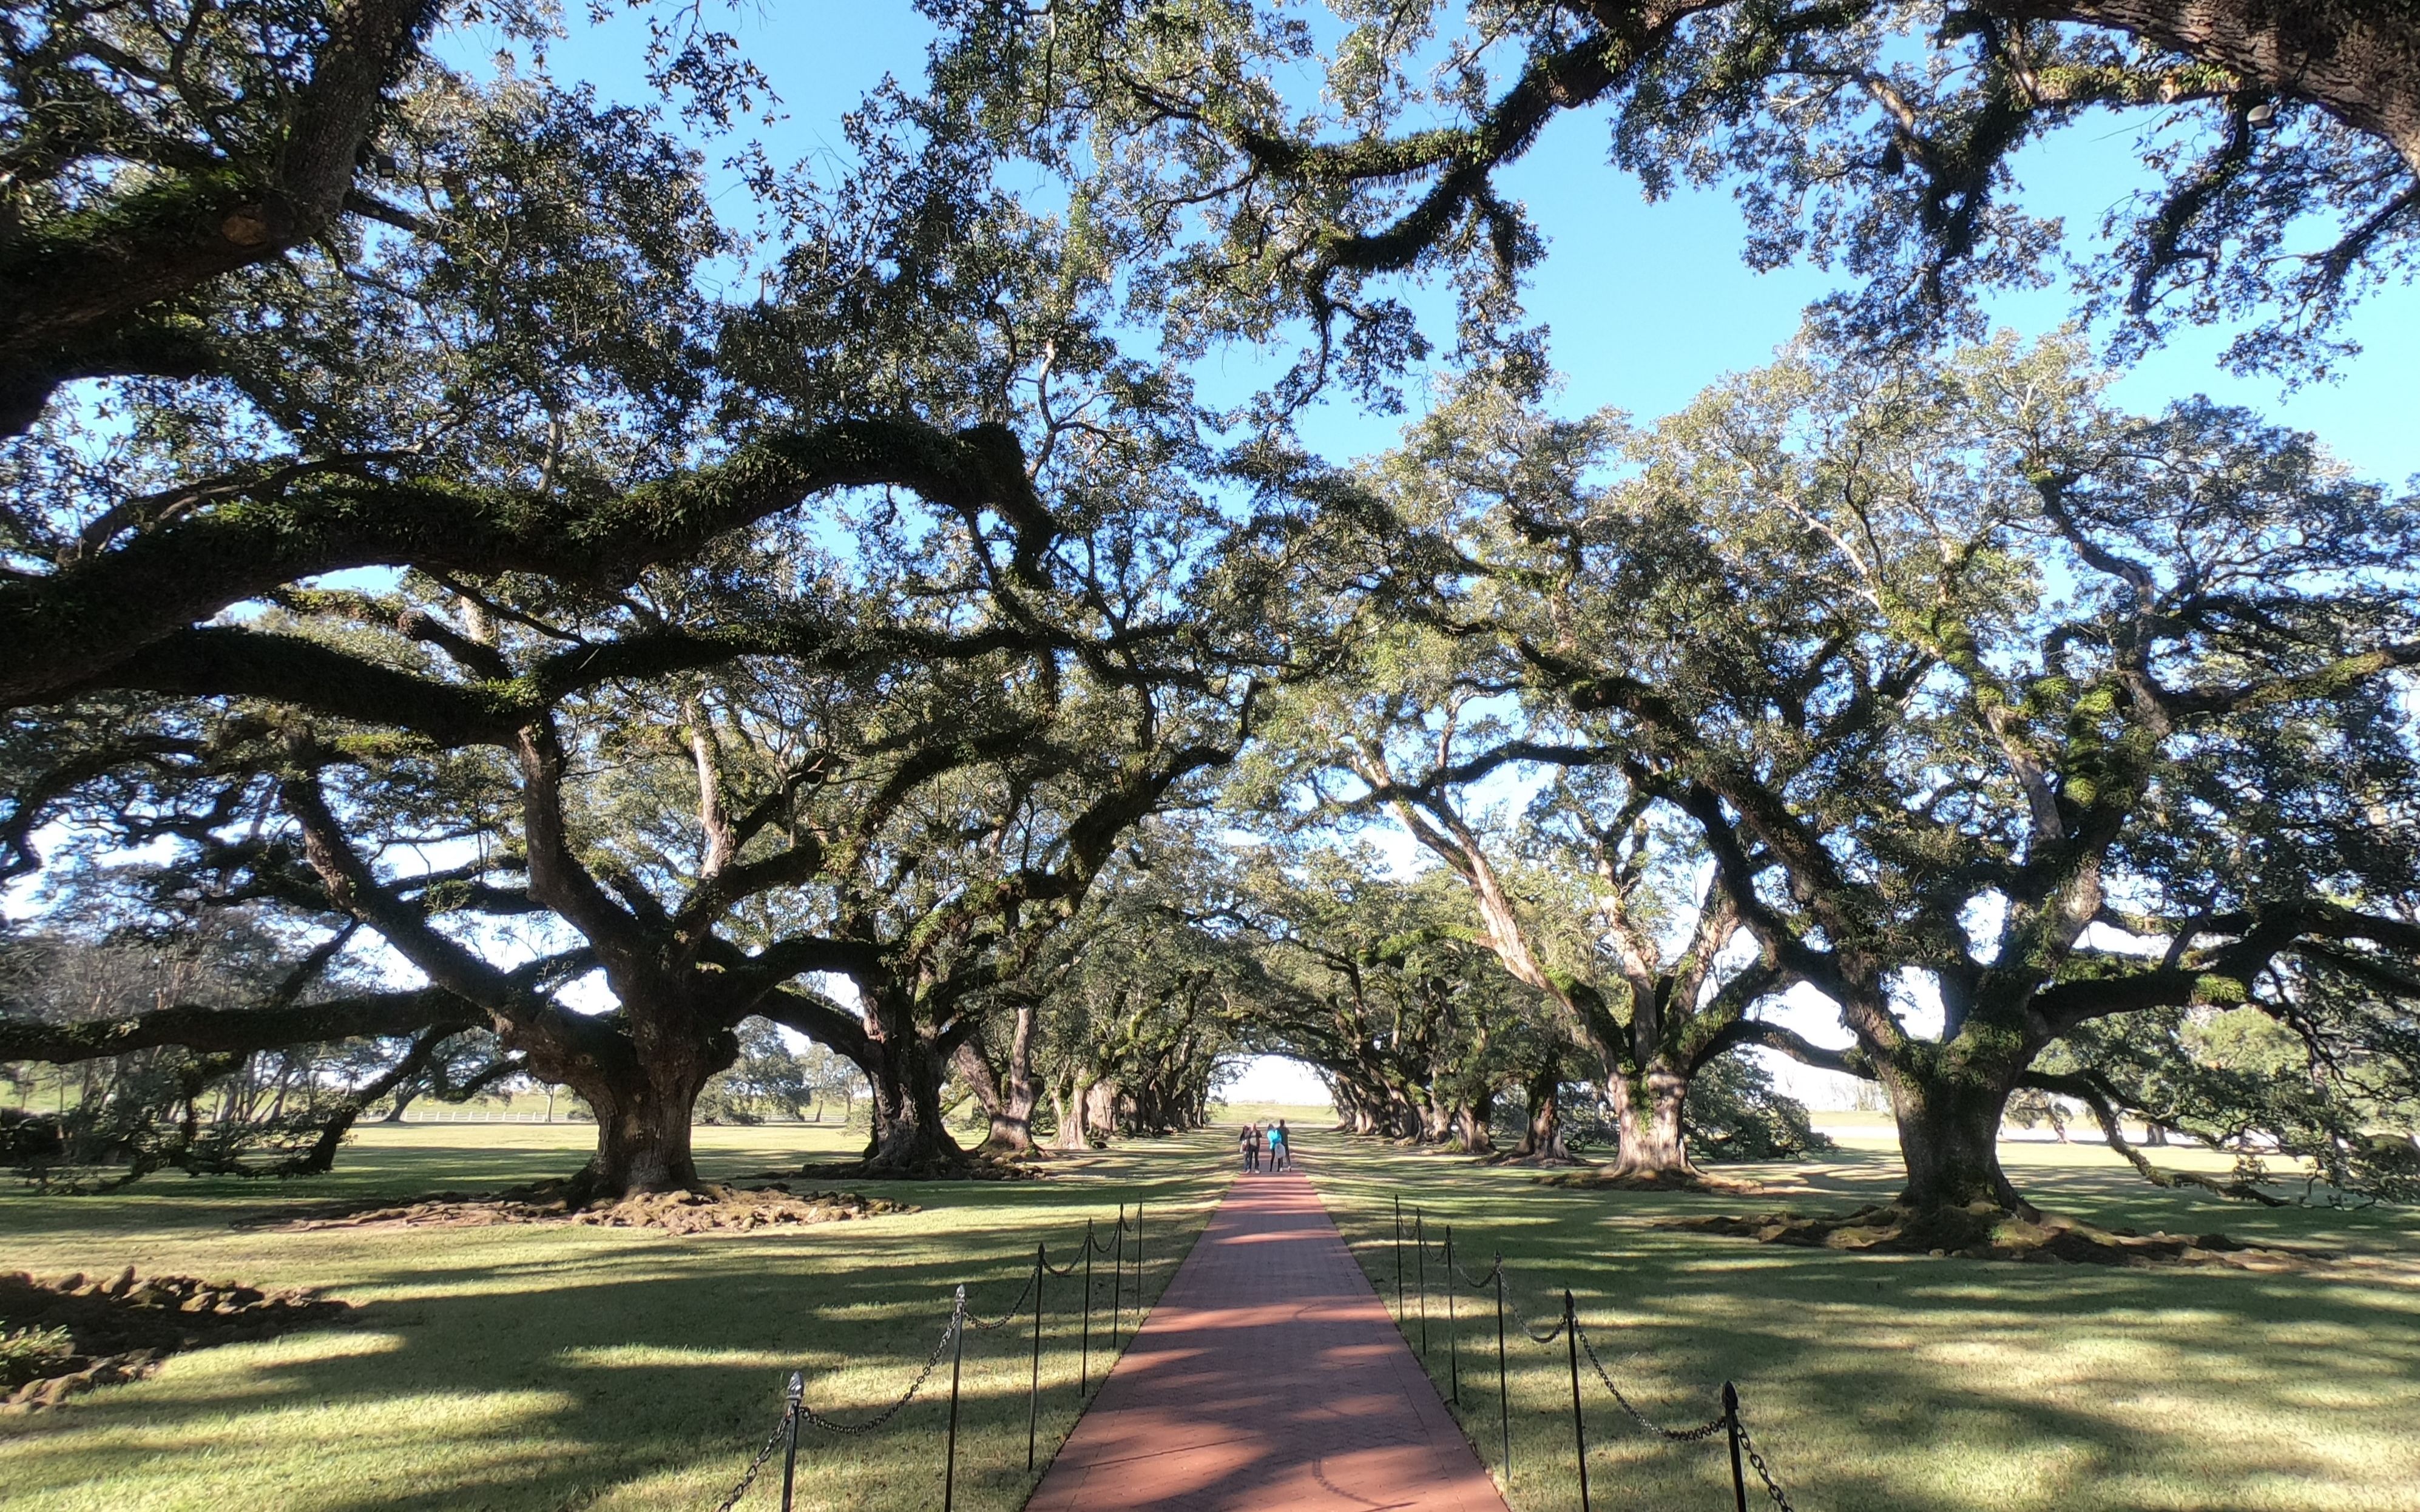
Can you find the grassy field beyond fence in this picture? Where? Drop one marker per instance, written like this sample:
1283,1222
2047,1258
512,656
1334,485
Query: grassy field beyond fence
558,1368
549,1367
1899,1384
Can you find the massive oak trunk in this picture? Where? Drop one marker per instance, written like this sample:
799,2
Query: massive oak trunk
1653,1143
1008,1100
645,1098
1543,1140
641,1079
643,1135
1474,1134
909,1135
1102,1101
1075,1131
1949,1110
1436,1121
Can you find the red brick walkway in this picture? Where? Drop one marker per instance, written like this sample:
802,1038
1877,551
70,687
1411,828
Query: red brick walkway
1268,1377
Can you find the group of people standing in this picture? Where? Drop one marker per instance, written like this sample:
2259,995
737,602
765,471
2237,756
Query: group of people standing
1272,1136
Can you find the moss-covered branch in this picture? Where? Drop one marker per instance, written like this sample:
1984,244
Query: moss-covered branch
70,629
238,1030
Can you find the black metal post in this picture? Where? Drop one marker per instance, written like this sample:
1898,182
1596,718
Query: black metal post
950,1456
1503,1388
1084,1359
1138,1265
790,1456
1117,1274
1421,1261
1579,1435
1034,1390
1730,1420
1399,1261
1452,1346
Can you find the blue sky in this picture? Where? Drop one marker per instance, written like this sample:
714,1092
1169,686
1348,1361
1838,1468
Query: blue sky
1647,303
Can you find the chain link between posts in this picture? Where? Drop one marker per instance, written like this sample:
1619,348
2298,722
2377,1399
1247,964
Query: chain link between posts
1729,1420
1015,1309
1701,1432
1482,1283
781,1430
932,1363
795,1412
1756,1461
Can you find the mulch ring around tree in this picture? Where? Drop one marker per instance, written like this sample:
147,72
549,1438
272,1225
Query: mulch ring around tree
711,1209
1985,1232
72,1334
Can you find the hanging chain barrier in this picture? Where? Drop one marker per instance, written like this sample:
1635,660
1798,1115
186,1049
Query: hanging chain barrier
1015,1309
1123,1232
1763,1472
787,1429
1568,1330
932,1363
1697,1435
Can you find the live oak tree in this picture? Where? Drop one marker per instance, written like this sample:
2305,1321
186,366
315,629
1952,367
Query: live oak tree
1284,168
991,672
1384,986
1137,1004
466,335
1597,901
813,795
1987,701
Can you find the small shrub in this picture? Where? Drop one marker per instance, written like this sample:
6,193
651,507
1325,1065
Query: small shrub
30,1353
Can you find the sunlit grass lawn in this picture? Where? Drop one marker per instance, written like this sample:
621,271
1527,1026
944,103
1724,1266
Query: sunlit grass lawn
558,1366
1878,1383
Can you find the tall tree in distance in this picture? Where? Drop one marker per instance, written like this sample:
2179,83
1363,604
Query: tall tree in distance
1598,900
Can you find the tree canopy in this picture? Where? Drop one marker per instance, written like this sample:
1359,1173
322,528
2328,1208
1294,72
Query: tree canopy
425,573
1284,165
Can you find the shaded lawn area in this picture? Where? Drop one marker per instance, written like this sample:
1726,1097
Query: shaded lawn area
1876,1382
558,1366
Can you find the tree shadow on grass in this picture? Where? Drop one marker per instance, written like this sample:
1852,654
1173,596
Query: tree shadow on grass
1891,1381
513,1370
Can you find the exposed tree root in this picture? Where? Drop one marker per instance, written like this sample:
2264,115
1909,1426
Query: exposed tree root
971,1168
77,1332
1608,1180
1986,1232
1541,1161
706,1209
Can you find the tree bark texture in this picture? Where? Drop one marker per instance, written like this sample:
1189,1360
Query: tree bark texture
2358,61
910,1134
1949,1111
1543,1140
1652,1141
1008,1101
1474,1134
